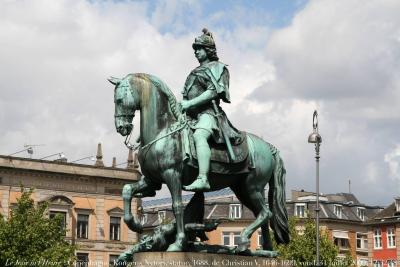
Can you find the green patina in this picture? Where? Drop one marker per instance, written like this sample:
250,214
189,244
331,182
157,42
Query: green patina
166,156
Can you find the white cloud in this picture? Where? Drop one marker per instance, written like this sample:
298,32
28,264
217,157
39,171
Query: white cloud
340,57
392,158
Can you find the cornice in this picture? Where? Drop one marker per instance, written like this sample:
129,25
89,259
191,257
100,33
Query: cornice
7,162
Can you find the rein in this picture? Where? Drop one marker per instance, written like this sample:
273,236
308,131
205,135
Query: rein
183,122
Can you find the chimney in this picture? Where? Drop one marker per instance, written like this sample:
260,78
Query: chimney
114,162
99,157
130,164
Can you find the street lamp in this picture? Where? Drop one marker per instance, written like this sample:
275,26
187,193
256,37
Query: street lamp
315,138
28,149
92,158
60,155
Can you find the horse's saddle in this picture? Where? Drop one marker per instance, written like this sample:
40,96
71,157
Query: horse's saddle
220,160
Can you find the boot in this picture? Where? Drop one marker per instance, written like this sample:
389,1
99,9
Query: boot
201,184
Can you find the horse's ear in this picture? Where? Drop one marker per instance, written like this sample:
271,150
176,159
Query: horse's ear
114,80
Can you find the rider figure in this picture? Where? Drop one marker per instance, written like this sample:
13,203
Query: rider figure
207,82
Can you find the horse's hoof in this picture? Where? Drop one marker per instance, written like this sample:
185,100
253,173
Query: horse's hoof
174,247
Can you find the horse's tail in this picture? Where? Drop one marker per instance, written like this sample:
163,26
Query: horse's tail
277,201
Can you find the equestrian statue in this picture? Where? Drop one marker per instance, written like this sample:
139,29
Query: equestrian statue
191,145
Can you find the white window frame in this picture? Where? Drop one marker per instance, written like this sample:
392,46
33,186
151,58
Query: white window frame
297,207
363,262
87,226
377,238
259,239
85,263
363,237
391,237
235,211
391,263
118,229
338,210
361,213
162,214
378,264
145,217
231,235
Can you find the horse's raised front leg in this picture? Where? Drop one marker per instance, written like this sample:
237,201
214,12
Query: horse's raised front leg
131,221
173,180
142,188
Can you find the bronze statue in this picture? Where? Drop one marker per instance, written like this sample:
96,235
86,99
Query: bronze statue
205,86
181,149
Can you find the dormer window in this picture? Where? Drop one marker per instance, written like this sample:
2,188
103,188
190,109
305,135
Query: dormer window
235,211
144,219
300,210
338,210
361,213
161,216
397,204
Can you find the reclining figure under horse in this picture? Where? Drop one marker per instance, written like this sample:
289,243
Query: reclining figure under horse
163,159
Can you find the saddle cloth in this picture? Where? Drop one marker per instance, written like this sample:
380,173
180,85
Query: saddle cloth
220,161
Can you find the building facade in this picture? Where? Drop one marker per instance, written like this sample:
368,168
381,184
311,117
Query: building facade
342,217
87,197
383,235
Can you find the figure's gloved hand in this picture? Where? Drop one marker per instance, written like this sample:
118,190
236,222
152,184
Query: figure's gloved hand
185,105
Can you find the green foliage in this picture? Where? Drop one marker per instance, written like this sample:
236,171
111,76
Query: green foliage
29,237
302,247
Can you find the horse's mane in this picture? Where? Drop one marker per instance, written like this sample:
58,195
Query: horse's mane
164,89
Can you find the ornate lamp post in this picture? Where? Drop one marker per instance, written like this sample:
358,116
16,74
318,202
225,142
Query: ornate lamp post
315,138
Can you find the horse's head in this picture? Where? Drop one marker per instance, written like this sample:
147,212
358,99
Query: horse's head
125,105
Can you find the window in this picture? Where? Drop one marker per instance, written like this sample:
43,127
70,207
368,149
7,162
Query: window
161,216
82,226
82,259
144,219
341,243
378,264
235,211
362,241
63,215
391,238
362,262
230,238
115,228
300,210
113,260
337,209
397,200
377,238
259,239
361,213
391,263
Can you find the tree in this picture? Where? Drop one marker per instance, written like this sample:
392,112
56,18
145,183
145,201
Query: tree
30,238
302,247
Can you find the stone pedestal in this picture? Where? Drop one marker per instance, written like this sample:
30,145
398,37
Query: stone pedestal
195,259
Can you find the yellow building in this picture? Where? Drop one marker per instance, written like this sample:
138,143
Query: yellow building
88,197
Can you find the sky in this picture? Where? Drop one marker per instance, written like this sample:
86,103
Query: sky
286,59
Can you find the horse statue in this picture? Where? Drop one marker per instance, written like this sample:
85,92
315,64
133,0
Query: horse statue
163,159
